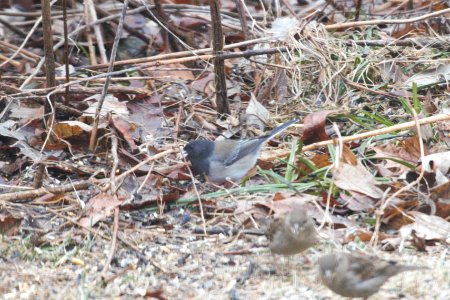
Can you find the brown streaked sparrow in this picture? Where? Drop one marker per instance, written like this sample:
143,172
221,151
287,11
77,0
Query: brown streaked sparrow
291,233
352,275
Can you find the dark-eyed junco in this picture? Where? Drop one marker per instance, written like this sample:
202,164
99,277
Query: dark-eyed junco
227,159
352,275
291,233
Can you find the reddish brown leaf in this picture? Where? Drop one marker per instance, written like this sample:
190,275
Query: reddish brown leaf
319,160
441,192
170,72
125,128
364,236
315,127
407,150
9,225
49,198
148,116
348,156
155,294
99,208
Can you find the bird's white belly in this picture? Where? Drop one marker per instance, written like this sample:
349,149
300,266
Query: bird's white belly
235,172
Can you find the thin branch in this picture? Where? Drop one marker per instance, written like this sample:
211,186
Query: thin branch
34,193
386,22
360,136
93,140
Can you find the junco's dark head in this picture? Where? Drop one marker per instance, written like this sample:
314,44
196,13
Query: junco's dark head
227,159
195,152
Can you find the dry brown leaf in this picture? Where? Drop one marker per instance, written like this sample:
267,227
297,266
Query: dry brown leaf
67,129
319,160
358,201
110,105
256,114
205,84
391,72
25,113
283,206
427,227
441,192
99,208
170,72
357,178
9,225
125,128
348,156
363,235
314,130
407,150
430,76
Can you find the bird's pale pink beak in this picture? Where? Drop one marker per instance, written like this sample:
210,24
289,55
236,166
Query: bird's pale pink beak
296,229
328,275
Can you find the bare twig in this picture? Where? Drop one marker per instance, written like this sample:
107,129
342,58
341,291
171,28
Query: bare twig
198,198
159,63
103,13
48,49
66,50
24,42
146,161
161,57
223,106
386,22
345,139
243,19
93,140
17,196
92,16
113,241
25,53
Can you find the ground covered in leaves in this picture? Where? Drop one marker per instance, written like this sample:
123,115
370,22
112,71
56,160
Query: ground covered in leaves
97,202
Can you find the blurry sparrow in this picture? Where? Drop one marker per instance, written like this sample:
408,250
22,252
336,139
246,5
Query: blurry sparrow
291,233
357,276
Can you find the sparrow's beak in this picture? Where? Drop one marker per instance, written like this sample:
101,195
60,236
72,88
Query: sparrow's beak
328,274
296,229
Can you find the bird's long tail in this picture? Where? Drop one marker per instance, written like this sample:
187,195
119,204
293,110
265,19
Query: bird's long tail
396,269
280,129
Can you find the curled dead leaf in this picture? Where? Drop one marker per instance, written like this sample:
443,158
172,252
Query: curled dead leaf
315,127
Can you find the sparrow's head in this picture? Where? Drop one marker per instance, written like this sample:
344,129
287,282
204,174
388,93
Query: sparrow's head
328,265
299,223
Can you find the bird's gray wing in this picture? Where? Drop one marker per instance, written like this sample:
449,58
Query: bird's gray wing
363,267
244,148
274,225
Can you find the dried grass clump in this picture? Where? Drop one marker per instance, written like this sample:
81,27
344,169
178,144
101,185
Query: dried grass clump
328,68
